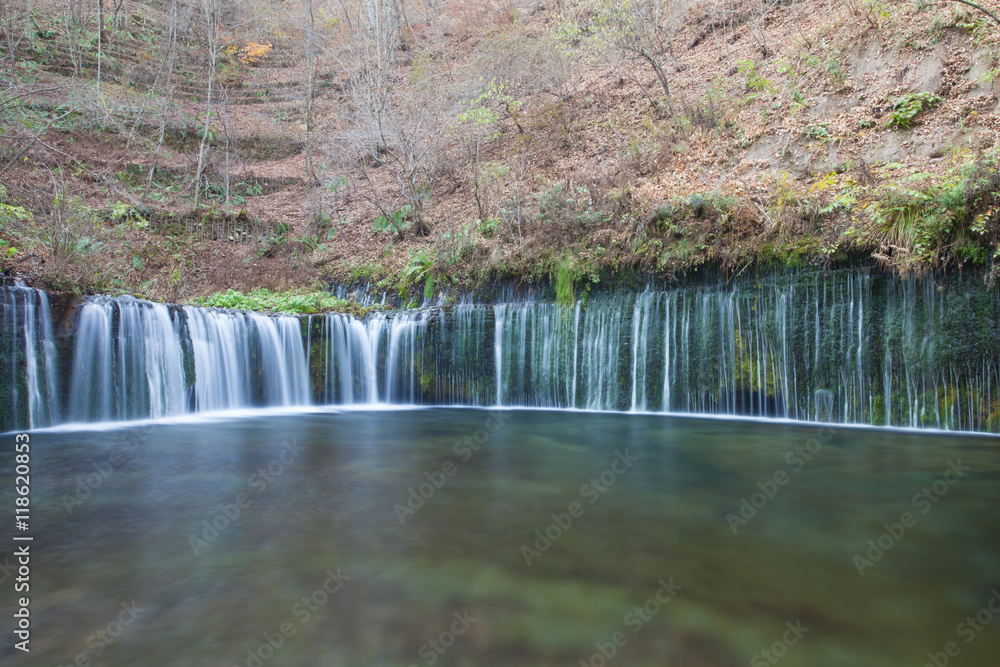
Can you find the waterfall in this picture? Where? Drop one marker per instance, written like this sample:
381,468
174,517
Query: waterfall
847,346
796,346
346,358
432,355
133,359
28,359
245,359
127,362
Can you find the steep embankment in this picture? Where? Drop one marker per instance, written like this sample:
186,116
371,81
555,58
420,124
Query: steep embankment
529,141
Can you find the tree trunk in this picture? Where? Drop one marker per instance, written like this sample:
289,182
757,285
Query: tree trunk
310,90
156,157
100,39
212,16
660,74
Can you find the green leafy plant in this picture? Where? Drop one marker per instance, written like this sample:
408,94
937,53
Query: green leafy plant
489,227
906,108
818,131
397,221
123,213
755,80
923,220
420,267
299,302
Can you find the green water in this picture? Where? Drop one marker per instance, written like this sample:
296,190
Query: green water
455,570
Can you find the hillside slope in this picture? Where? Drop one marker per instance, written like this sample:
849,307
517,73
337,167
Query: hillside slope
180,152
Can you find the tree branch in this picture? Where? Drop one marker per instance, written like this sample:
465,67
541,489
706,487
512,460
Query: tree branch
982,9
31,143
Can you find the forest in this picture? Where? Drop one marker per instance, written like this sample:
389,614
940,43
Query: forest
202,150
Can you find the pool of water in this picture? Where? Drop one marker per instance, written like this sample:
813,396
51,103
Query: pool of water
525,537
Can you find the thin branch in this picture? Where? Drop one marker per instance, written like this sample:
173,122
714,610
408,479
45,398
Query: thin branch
34,139
982,9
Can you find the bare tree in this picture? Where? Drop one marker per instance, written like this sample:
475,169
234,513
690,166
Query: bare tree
212,10
16,27
643,30
394,146
73,22
310,85
396,152
758,24
100,40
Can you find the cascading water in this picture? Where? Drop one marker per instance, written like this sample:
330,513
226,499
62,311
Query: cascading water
135,359
127,362
27,359
841,346
421,356
809,347
244,359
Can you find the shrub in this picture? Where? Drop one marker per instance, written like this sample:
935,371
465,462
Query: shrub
932,221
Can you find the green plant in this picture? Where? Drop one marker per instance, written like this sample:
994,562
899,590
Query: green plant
834,69
842,202
12,217
489,227
564,276
420,265
122,213
923,220
397,221
299,302
277,239
906,108
755,80
818,131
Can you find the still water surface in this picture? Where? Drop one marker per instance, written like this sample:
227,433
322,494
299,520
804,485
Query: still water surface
319,544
